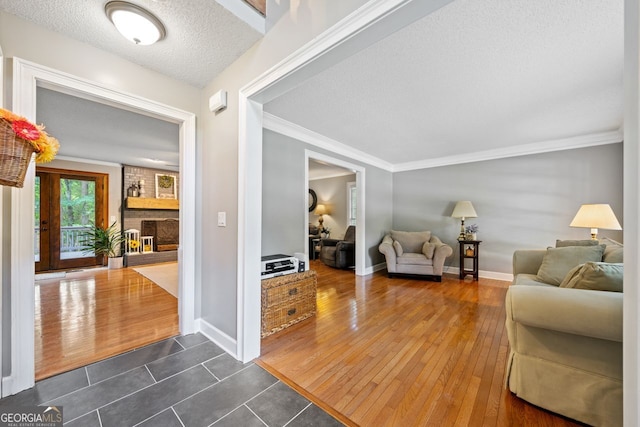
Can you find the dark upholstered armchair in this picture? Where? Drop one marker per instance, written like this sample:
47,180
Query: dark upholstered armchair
340,253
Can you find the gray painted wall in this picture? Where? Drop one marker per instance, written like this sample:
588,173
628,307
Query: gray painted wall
284,199
332,192
283,195
218,156
521,202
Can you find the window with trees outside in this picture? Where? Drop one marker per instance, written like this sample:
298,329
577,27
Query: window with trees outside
352,202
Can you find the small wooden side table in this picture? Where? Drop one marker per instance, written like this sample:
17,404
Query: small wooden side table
469,250
315,249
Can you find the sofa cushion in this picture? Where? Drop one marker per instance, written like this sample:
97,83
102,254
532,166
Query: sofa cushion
527,280
557,262
398,247
411,241
413,259
613,250
565,243
598,276
428,249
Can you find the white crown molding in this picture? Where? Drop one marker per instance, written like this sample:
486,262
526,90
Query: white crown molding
572,143
292,130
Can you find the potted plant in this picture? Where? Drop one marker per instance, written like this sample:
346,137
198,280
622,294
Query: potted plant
104,242
471,232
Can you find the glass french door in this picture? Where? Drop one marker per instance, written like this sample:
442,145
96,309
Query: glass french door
66,204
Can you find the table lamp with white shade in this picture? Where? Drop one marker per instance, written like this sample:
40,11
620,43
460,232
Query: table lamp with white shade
596,216
321,210
464,209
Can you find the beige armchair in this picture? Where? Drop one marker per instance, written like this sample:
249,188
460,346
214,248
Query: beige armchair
415,253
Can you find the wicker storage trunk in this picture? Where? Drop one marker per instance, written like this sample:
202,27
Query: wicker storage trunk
287,300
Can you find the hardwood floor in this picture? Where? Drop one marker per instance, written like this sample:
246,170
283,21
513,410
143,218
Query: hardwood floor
401,352
91,315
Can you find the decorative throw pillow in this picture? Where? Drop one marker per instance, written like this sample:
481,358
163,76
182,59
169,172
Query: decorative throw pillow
570,275
565,243
411,241
428,249
613,251
599,276
557,262
398,248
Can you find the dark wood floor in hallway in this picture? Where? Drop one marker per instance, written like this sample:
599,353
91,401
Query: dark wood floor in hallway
95,314
402,352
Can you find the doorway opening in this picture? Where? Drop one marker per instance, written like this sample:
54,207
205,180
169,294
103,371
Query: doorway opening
27,77
334,214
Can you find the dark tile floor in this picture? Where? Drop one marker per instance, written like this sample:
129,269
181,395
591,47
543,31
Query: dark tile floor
183,381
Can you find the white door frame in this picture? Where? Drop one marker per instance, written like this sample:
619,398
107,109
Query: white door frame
631,169
27,76
372,22
360,203
1,225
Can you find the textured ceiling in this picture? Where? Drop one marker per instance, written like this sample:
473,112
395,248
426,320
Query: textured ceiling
203,38
473,76
93,131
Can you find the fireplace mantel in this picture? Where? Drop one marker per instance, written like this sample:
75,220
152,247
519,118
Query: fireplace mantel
151,203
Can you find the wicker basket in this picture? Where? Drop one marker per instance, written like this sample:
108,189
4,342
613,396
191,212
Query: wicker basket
15,155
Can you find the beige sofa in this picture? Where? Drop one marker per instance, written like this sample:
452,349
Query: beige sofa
414,253
566,343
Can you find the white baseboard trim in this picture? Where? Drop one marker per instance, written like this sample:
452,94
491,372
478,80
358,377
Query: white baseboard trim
221,339
11,385
507,277
374,268
496,275
7,385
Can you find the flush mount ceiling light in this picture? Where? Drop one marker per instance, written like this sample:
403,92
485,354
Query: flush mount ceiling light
135,23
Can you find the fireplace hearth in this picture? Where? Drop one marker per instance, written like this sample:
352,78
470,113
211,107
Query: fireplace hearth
165,233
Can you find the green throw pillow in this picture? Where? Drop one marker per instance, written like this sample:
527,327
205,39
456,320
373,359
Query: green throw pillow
565,243
598,276
613,252
557,262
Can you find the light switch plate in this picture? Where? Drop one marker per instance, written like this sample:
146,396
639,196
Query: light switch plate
222,219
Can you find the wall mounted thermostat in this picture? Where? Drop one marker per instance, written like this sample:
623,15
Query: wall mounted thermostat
218,101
